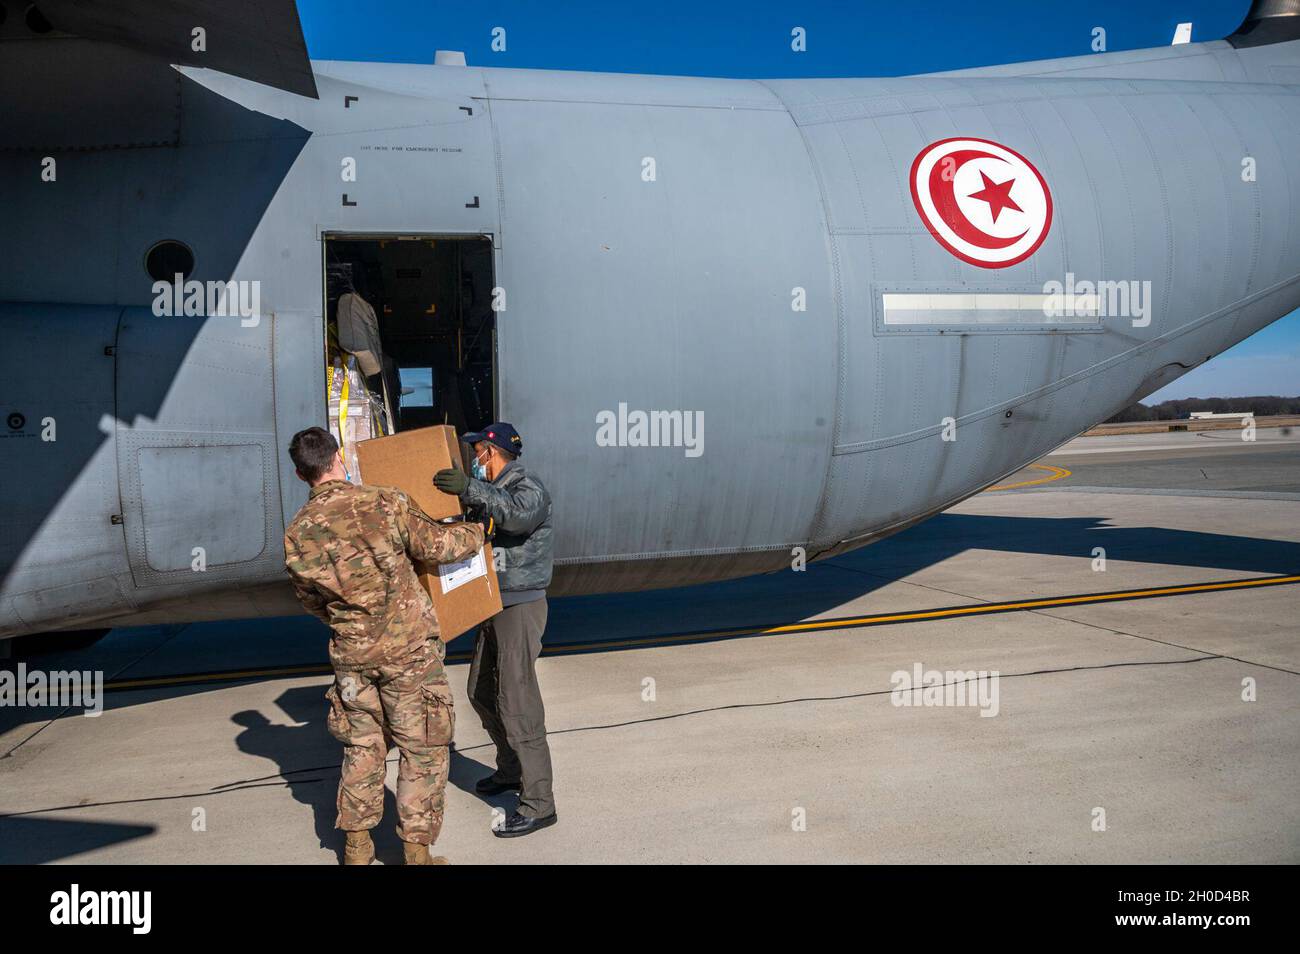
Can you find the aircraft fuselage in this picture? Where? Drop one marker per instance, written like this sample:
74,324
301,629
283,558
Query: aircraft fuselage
797,269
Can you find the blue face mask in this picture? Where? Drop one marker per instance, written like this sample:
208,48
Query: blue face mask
477,469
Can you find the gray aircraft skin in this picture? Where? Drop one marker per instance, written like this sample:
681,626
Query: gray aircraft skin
654,238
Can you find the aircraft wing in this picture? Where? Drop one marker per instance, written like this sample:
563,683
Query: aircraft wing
259,40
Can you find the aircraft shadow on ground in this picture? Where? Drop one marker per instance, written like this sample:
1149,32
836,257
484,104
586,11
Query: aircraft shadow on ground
27,840
789,596
306,758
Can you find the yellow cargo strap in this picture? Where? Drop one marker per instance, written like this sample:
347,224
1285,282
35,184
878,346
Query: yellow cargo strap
343,407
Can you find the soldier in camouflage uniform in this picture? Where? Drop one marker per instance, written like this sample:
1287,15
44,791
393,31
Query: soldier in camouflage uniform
349,553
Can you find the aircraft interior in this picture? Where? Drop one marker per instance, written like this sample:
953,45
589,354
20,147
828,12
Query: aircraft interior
410,335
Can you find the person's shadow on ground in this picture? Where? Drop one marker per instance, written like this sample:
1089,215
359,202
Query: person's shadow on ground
465,774
309,761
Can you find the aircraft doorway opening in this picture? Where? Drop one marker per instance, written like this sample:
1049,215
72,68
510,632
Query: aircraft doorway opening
410,333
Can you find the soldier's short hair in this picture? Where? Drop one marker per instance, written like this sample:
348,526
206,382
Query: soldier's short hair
312,452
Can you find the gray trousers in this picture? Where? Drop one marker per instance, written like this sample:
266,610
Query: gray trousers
504,692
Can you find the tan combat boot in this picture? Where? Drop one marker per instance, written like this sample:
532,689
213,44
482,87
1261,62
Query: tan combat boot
358,849
419,855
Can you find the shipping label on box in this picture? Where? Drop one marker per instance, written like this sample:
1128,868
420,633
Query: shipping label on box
453,575
464,594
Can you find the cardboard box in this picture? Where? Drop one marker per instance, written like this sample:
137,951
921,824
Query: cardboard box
463,594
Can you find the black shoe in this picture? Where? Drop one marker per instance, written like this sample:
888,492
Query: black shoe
491,785
517,825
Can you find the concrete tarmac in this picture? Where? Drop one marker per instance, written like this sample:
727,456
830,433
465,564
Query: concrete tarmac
1199,461
1133,724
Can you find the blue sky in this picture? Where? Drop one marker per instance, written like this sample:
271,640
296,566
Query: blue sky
752,39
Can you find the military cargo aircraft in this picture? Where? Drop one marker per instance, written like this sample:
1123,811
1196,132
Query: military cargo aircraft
737,322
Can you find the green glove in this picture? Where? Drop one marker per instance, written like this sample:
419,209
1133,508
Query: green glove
451,481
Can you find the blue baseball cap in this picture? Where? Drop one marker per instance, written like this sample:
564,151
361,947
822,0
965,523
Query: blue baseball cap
501,434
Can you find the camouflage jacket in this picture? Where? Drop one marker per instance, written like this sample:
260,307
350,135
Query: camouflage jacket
349,553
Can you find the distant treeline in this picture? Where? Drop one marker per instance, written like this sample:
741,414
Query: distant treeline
1178,410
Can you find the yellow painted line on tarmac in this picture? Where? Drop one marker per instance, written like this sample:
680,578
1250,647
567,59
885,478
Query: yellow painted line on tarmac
950,612
1056,473
851,622
230,676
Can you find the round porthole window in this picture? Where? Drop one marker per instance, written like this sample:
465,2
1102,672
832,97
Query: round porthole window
167,259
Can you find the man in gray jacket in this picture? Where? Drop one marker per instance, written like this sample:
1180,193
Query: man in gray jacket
503,678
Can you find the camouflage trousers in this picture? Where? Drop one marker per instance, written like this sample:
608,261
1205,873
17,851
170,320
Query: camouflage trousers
407,704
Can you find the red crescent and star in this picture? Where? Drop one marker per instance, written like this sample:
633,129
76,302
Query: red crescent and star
937,204
996,194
